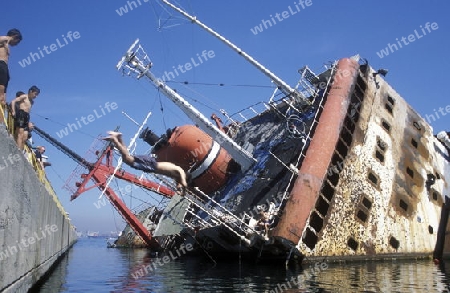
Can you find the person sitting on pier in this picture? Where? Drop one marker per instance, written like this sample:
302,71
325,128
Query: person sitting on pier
39,152
148,163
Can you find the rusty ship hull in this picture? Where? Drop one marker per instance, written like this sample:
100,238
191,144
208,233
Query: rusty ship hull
354,174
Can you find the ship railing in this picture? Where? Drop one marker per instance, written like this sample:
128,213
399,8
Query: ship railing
199,220
246,113
307,81
234,121
247,219
228,220
226,217
257,109
231,217
215,218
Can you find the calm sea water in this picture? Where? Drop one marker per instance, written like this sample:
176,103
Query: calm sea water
92,267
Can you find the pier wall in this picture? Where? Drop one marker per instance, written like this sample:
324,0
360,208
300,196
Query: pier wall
34,228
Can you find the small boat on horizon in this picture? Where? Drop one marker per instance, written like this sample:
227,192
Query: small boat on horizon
92,234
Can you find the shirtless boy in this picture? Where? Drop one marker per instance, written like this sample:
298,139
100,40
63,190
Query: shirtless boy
23,105
148,163
12,38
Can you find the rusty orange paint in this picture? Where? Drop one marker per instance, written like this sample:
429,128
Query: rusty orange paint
318,156
189,147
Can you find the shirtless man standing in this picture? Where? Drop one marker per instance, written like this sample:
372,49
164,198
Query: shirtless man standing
22,117
12,38
148,163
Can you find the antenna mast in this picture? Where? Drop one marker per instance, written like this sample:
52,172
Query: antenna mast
137,61
284,87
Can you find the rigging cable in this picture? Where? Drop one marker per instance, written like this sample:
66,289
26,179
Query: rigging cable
161,108
222,84
218,107
114,214
56,122
57,174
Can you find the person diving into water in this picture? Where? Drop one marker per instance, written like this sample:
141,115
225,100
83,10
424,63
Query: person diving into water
148,163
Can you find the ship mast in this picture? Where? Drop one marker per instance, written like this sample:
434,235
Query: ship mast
284,87
137,61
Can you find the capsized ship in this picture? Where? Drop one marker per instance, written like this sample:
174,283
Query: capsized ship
343,167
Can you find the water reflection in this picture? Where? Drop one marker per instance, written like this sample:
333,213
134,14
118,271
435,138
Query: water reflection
394,276
55,283
92,267
202,275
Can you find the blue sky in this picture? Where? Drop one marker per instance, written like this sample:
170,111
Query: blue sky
78,78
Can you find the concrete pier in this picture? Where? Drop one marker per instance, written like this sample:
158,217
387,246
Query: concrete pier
34,228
